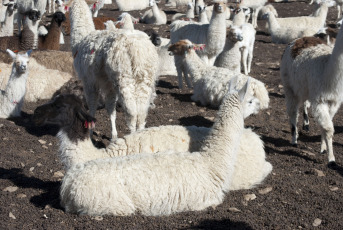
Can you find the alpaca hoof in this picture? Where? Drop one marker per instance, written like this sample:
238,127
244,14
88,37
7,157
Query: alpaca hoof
332,165
306,128
295,145
324,152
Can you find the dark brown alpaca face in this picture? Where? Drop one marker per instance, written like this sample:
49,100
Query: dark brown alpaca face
62,111
180,47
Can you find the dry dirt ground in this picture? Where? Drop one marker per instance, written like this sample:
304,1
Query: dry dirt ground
303,192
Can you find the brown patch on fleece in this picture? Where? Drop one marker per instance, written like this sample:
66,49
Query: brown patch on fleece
180,47
304,43
99,22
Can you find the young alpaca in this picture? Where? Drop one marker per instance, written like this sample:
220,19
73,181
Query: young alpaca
311,70
230,58
213,35
12,98
154,15
122,64
210,82
52,40
251,167
162,183
6,27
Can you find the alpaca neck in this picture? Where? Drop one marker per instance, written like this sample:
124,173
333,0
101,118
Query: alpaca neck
222,143
203,17
156,11
16,86
231,55
334,71
76,145
272,23
239,19
216,34
194,65
190,13
33,26
53,37
81,22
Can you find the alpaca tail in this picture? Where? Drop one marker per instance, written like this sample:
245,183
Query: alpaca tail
81,21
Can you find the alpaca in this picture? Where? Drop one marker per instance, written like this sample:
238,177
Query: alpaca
28,39
31,8
52,5
312,23
230,58
6,26
189,13
12,98
154,15
162,183
250,169
311,71
203,19
210,82
285,35
52,40
213,35
123,65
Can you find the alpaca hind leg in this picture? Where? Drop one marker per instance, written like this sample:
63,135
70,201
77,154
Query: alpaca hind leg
128,101
110,105
339,11
143,102
306,122
292,110
250,56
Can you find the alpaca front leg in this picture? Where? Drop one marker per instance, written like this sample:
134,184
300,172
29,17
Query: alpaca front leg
111,110
339,11
323,117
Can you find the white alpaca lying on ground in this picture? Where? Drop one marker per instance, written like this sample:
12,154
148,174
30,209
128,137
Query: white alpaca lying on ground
250,170
12,98
162,183
210,82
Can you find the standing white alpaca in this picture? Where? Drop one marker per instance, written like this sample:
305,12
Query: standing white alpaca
12,98
162,183
6,26
122,65
311,70
256,5
154,15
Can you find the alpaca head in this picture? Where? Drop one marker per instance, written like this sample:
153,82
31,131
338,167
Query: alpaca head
64,111
219,7
11,6
201,9
34,15
183,47
20,61
190,6
154,37
250,104
59,3
59,17
234,34
151,2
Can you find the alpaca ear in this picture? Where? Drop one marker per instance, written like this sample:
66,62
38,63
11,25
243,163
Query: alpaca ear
232,85
243,91
11,53
28,53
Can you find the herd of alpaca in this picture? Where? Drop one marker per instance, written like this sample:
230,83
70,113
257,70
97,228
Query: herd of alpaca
166,169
